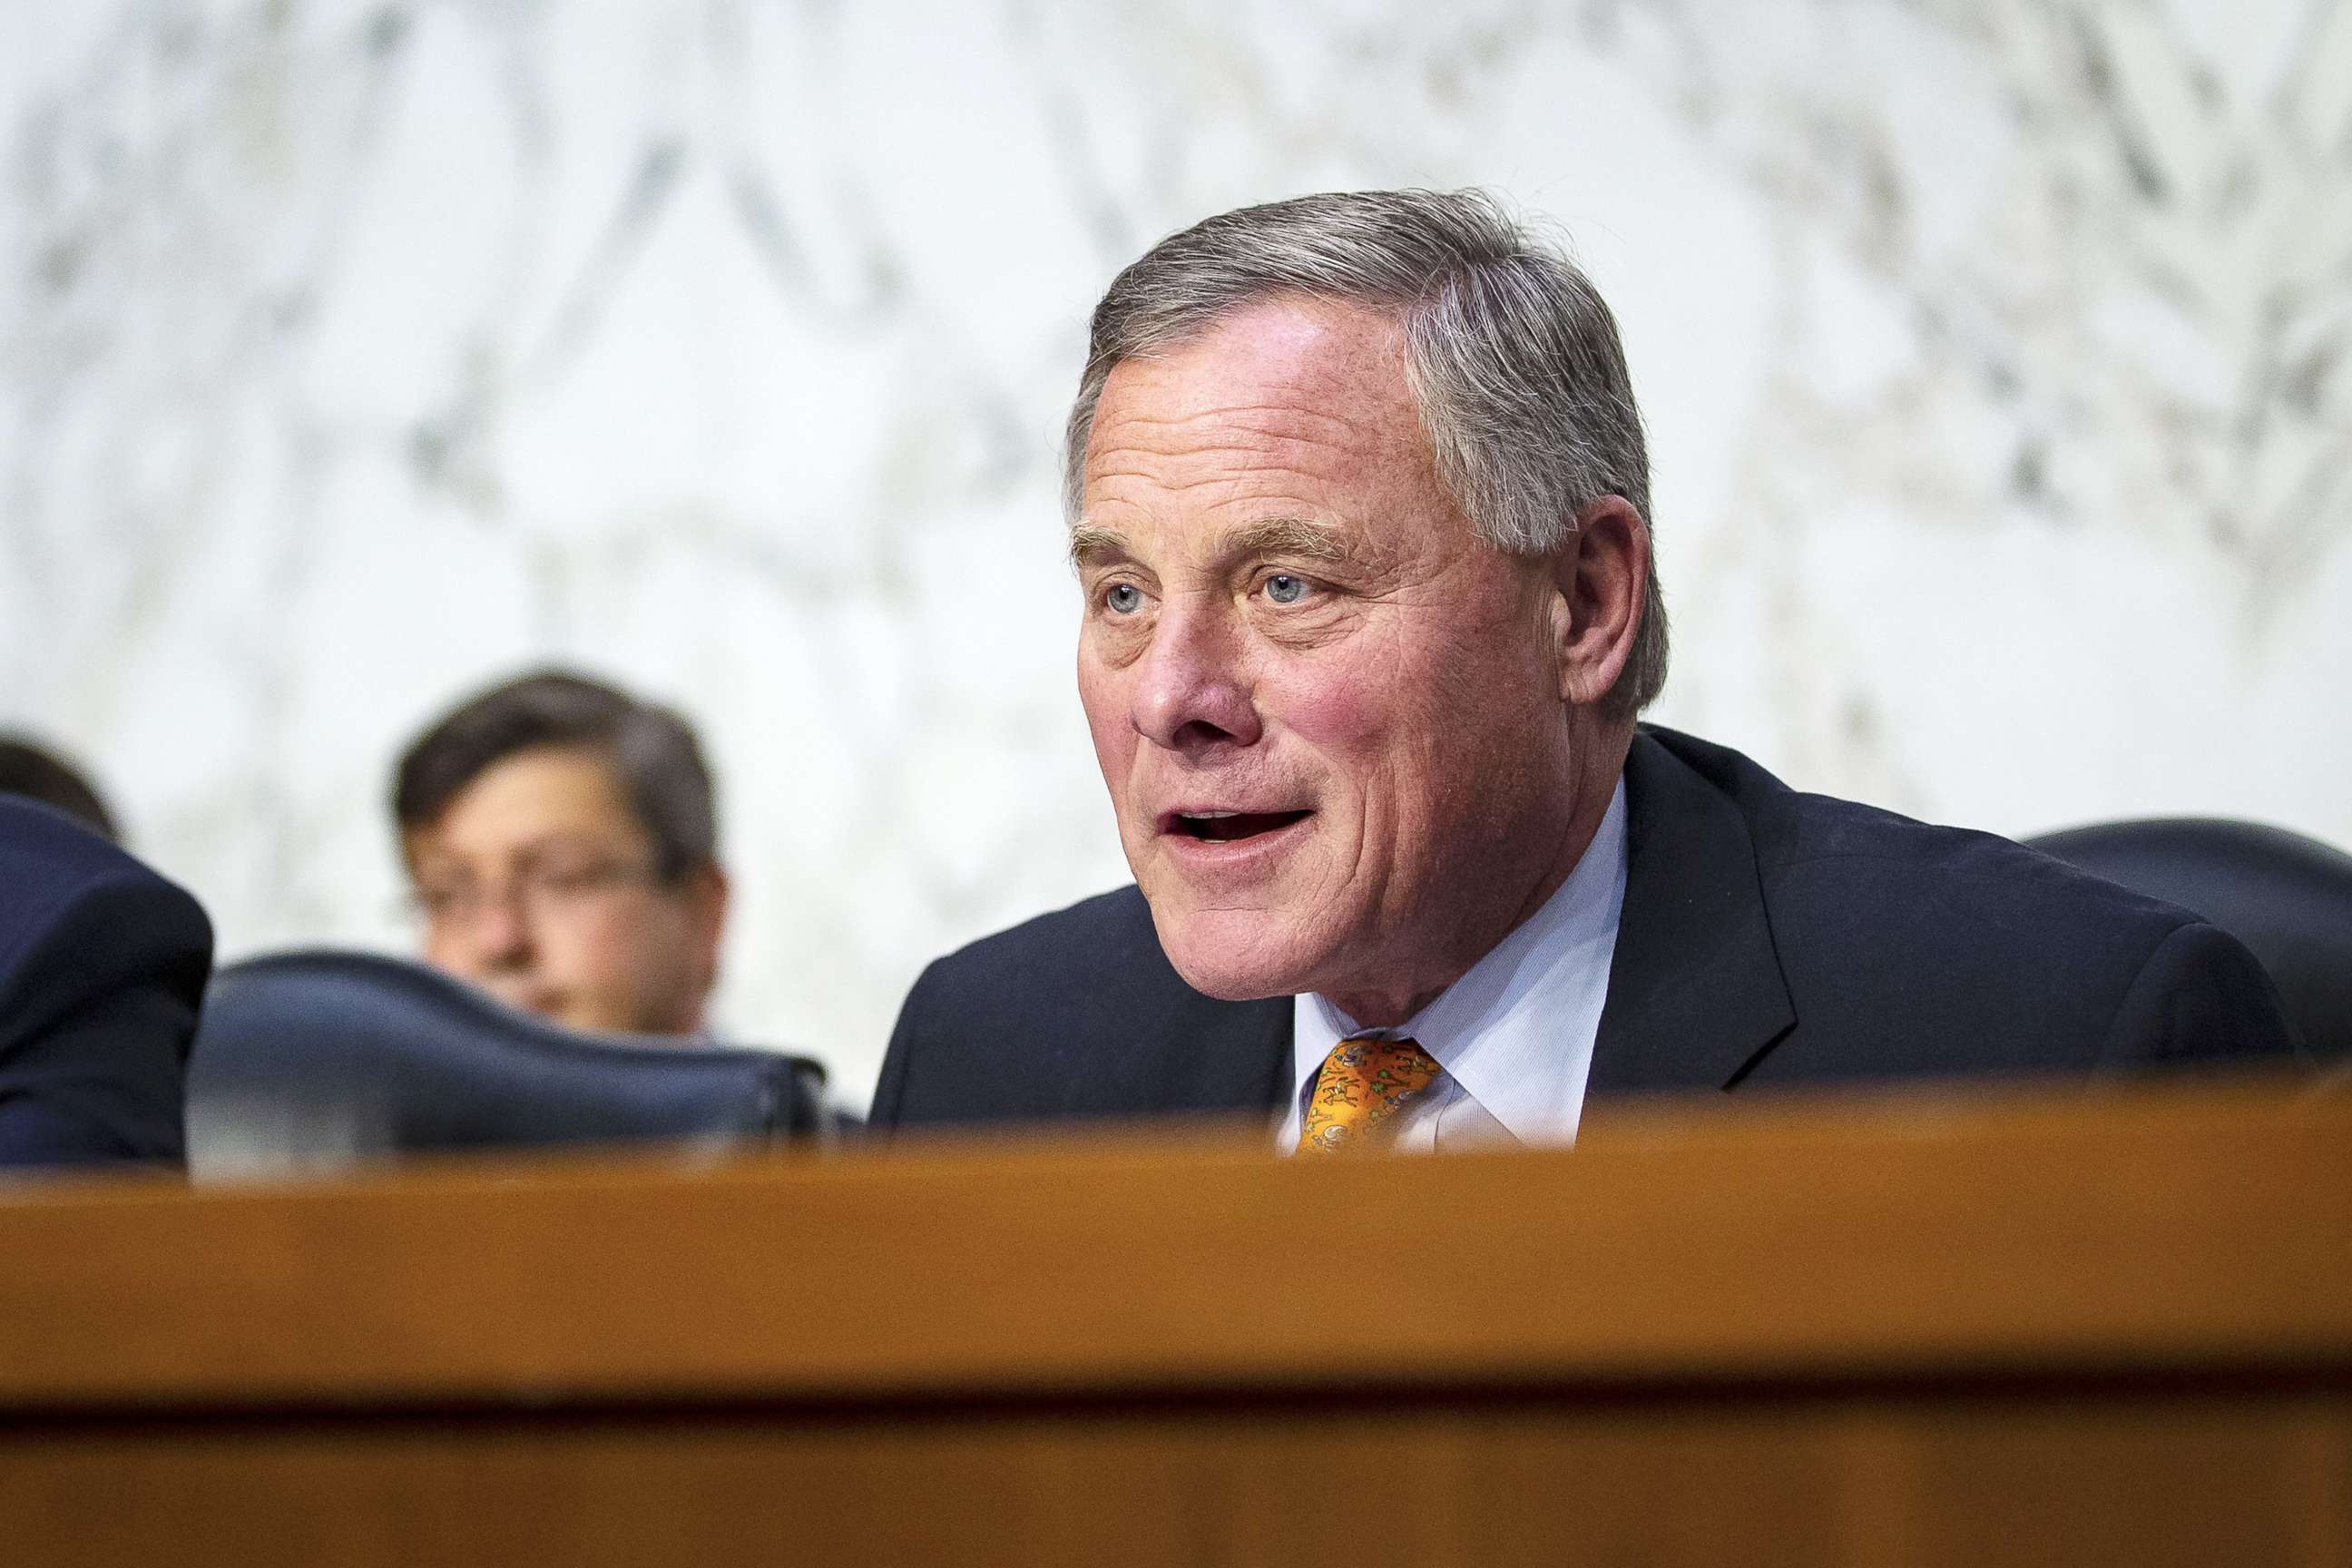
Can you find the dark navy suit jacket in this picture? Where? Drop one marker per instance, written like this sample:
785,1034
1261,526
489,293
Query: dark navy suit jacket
102,967
1769,937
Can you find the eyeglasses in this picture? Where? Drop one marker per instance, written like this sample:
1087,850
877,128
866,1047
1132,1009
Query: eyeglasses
551,890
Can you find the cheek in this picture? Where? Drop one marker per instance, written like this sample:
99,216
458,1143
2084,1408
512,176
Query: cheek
1102,697
1409,734
1359,714
591,954
1337,718
445,949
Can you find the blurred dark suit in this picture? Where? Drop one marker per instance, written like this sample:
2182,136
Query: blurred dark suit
102,967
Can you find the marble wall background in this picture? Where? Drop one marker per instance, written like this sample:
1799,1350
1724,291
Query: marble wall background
353,353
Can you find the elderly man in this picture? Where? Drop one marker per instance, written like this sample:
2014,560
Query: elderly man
562,843
1359,502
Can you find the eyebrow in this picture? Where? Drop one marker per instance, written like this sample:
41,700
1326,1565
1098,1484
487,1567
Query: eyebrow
560,840
1285,536
1089,543
1266,536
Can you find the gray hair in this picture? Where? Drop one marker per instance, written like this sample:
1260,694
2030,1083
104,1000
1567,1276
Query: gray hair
1511,356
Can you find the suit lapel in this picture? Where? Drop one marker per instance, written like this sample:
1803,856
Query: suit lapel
1696,991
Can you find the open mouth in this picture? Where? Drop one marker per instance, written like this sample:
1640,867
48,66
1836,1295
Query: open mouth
1231,826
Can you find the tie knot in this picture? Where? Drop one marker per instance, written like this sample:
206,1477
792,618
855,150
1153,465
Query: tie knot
1362,1084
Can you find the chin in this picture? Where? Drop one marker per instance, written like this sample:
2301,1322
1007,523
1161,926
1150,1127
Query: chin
1234,956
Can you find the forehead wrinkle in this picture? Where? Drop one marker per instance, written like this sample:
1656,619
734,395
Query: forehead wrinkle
1234,476
1278,422
1175,469
1243,427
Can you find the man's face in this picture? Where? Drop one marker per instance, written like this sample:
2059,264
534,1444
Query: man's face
539,885
1330,720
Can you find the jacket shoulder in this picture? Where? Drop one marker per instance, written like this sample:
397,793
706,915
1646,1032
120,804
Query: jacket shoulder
59,879
1076,1013
1912,947
1071,951
1804,841
102,967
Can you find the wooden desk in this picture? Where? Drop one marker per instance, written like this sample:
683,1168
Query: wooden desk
2065,1329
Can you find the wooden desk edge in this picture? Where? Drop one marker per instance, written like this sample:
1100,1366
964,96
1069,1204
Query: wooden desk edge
2178,1230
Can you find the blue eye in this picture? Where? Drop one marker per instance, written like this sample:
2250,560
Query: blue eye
1285,589
1123,598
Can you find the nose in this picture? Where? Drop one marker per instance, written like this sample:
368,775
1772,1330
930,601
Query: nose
500,932
1193,694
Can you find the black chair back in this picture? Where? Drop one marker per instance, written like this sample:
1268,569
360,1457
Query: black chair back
2286,897
319,1060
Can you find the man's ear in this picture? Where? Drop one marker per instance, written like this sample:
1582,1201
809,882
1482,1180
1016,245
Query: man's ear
1601,576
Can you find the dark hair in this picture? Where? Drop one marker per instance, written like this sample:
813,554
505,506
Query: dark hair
652,752
40,775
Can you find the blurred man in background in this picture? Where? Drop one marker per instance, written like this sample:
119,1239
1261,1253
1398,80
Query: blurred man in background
561,841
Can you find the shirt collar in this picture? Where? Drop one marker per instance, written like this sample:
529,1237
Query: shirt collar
1516,1032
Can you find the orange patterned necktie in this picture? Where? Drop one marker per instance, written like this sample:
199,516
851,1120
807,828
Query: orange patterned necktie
1362,1084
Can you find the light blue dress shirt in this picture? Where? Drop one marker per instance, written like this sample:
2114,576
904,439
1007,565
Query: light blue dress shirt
1515,1035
